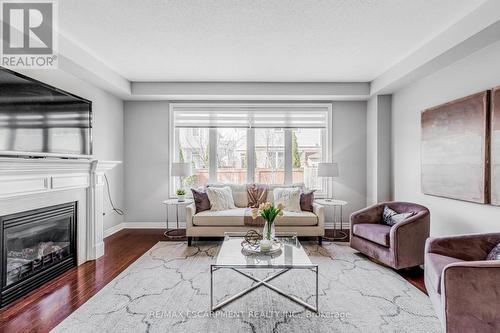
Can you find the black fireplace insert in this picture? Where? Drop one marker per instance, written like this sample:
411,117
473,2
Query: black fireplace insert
37,245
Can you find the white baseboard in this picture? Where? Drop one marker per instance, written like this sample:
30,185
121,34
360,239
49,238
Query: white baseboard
137,225
144,225
112,230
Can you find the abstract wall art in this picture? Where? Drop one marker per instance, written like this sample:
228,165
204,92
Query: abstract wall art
495,147
455,149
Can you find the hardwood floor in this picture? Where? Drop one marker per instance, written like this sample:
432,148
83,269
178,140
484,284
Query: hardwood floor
43,309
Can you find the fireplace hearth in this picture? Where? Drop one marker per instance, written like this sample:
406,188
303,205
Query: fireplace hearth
37,245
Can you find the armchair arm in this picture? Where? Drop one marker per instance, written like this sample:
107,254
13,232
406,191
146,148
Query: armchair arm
190,212
372,214
408,239
319,210
471,294
465,247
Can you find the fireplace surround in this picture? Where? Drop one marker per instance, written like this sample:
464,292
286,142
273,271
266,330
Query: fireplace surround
29,184
37,245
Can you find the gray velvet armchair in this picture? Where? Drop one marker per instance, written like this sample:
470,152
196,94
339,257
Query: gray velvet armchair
464,288
399,246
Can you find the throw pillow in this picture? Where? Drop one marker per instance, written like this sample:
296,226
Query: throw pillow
391,217
256,194
306,201
221,198
288,197
201,201
494,254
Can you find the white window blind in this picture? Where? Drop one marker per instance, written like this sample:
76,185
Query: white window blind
298,115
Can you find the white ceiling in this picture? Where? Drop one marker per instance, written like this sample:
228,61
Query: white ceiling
250,40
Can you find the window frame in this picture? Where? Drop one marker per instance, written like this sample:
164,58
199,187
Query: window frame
326,142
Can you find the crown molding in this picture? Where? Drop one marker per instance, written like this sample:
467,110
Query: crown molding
473,32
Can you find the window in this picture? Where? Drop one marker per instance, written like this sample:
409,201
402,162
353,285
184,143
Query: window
307,152
231,144
195,150
269,156
240,143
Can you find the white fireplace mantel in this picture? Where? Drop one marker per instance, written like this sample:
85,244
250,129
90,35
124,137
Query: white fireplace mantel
27,184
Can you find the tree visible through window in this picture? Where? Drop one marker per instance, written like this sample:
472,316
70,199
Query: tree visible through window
307,152
269,156
195,150
231,144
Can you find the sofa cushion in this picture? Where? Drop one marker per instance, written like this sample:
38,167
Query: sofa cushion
391,217
288,197
307,200
239,193
221,198
377,233
434,265
201,200
494,253
256,195
296,219
229,217
235,217
270,189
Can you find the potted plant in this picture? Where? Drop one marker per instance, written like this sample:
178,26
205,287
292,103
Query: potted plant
268,212
181,194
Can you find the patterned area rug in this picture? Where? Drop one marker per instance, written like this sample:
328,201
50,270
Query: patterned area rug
167,290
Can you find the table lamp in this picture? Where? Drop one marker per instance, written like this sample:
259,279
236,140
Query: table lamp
328,170
181,170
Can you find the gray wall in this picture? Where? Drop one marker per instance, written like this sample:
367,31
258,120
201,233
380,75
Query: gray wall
384,172
371,150
349,150
378,136
107,131
146,158
479,71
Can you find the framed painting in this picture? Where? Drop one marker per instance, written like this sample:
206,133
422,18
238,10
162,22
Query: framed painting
455,149
495,147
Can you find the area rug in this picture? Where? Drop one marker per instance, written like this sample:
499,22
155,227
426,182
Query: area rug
168,288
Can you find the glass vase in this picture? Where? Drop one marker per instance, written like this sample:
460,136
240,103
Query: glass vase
269,231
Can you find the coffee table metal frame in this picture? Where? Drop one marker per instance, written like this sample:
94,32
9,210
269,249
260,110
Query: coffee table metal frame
265,282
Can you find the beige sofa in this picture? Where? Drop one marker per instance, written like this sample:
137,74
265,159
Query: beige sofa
215,223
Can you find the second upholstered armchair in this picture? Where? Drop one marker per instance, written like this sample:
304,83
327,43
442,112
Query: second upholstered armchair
463,286
398,246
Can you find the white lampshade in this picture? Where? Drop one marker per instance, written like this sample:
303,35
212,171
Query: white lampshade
181,169
328,170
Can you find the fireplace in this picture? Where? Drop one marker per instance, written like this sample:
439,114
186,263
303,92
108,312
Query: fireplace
37,245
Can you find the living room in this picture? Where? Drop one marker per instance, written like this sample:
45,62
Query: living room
263,166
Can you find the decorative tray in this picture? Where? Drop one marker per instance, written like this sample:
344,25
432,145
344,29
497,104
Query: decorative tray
255,248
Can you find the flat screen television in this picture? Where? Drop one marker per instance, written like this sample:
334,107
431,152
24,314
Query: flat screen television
39,120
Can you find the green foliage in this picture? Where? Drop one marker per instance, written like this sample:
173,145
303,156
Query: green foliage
181,156
207,156
269,213
188,181
181,191
295,152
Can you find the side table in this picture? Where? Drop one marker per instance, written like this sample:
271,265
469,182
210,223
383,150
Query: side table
335,204
176,203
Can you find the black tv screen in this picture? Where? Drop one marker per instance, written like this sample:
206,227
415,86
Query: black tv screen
40,120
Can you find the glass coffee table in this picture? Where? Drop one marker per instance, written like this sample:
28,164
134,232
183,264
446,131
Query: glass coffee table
292,256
